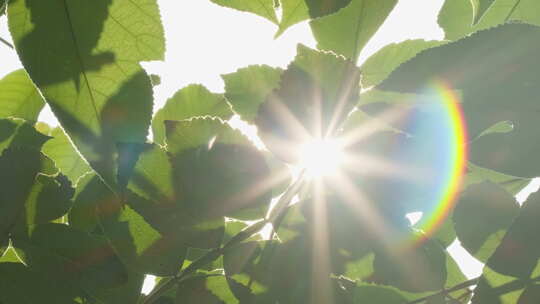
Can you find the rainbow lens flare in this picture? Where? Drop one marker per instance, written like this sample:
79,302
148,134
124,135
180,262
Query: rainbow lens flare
446,129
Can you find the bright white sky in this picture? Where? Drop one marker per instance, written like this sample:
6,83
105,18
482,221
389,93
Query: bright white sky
205,40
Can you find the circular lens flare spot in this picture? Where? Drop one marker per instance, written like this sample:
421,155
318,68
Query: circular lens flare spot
321,157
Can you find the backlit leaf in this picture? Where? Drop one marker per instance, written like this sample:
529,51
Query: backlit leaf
381,64
191,101
247,88
65,156
19,97
92,78
293,12
480,7
263,8
347,32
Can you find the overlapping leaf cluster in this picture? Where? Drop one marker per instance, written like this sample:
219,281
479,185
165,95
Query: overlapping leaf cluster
90,208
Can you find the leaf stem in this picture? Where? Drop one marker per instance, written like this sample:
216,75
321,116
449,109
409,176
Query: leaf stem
445,291
4,41
215,253
512,11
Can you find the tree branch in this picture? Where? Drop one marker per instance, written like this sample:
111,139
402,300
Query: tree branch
215,253
445,291
7,43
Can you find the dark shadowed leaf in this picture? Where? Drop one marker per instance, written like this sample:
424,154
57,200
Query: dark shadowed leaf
426,262
129,292
160,201
319,8
20,284
92,78
517,255
73,256
19,97
495,207
17,133
247,88
368,293
487,81
244,268
24,196
191,101
317,91
347,32
211,289
217,171
513,269
137,237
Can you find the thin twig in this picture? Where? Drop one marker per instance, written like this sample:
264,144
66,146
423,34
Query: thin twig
459,286
215,253
4,41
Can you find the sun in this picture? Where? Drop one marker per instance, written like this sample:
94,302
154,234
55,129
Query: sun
321,157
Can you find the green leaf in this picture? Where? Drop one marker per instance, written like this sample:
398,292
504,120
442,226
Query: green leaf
210,289
530,294
156,79
244,270
191,101
426,262
263,8
89,193
317,91
127,293
456,17
66,157
153,180
320,8
217,170
247,88
20,284
152,177
74,256
377,67
347,32
517,256
464,66
140,246
139,240
513,268
512,184
17,133
293,12
497,209
369,293
480,7
497,288
92,78
24,196
18,96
